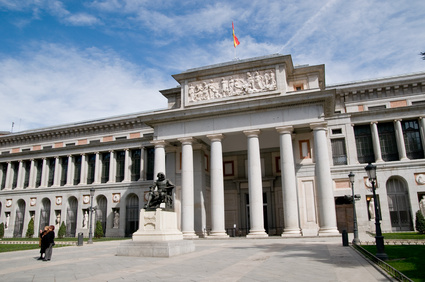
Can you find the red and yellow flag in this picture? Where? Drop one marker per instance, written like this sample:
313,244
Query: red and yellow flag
235,39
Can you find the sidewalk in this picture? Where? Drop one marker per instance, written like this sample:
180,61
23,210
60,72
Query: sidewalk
233,259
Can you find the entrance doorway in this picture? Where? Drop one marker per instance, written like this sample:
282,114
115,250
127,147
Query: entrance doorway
131,215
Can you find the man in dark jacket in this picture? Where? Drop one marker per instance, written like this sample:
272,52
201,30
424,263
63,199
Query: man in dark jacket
50,242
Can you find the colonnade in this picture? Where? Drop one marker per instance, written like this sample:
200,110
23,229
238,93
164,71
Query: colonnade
70,172
401,146
325,199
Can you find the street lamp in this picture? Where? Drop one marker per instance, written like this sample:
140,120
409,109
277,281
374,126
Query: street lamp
379,239
90,241
356,232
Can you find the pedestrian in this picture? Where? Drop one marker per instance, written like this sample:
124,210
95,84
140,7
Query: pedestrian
50,242
42,242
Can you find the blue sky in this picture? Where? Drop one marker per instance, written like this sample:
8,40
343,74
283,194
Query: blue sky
64,61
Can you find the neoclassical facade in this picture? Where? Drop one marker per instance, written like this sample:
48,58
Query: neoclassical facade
255,147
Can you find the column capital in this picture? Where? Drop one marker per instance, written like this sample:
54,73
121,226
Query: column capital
159,143
319,125
374,122
186,140
398,120
215,137
288,129
252,133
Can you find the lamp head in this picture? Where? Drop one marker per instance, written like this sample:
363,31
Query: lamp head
92,192
351,176
371,171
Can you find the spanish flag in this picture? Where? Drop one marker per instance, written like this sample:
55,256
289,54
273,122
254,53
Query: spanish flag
235,39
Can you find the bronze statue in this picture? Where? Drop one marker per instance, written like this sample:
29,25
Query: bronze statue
160,192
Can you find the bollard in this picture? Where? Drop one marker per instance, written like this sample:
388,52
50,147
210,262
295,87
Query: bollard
80,239
344,238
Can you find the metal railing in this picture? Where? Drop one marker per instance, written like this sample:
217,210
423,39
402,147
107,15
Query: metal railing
385,266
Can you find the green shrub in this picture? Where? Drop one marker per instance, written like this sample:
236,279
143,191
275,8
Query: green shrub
420,222
30,230
99,230
1,230
62,231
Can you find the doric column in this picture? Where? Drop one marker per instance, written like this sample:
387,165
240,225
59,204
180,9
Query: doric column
324,187
97,169
375,141
400,140
159,160
188,216
217,188
44,173
143,161
255,186
21,174
70,172
112,167
127,166
31,183
289,183
58,172
83,172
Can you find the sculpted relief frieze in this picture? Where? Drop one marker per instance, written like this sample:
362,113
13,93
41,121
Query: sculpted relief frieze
229,86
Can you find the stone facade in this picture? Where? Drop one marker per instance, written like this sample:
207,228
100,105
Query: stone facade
255,147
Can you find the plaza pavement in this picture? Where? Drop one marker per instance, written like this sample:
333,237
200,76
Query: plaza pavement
234,259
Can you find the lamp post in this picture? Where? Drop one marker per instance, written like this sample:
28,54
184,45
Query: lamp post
355,230
90,241
379,239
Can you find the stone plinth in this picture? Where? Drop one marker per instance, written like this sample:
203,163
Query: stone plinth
158,236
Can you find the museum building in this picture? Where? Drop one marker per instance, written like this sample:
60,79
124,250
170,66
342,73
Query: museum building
256,148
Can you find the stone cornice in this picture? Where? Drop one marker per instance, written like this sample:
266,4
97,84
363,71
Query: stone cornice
325,98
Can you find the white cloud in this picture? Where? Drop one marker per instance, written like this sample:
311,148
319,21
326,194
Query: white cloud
56,85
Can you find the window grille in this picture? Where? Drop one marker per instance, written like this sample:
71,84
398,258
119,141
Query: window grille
388,142
412,139
339,154
364,143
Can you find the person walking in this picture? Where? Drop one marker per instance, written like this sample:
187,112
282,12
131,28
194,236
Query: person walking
50,242
42,242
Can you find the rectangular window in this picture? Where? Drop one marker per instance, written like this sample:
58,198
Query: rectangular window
150,163
64,173
39,167
388,142
106,157
135,164
51,169
339,154
228,168
412,139
91,163
364,143
27,169
77,170
15,168
305,149
120,166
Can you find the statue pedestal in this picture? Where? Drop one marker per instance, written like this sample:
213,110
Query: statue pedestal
157,236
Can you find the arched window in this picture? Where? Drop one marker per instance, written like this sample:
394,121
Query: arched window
399,205
101,212
19,219
131,215
71,217
44,213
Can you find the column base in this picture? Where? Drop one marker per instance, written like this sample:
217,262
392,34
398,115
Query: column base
257,234
292,233
190,235
217,235
328,232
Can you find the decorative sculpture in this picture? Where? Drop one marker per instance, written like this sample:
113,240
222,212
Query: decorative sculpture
160,192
